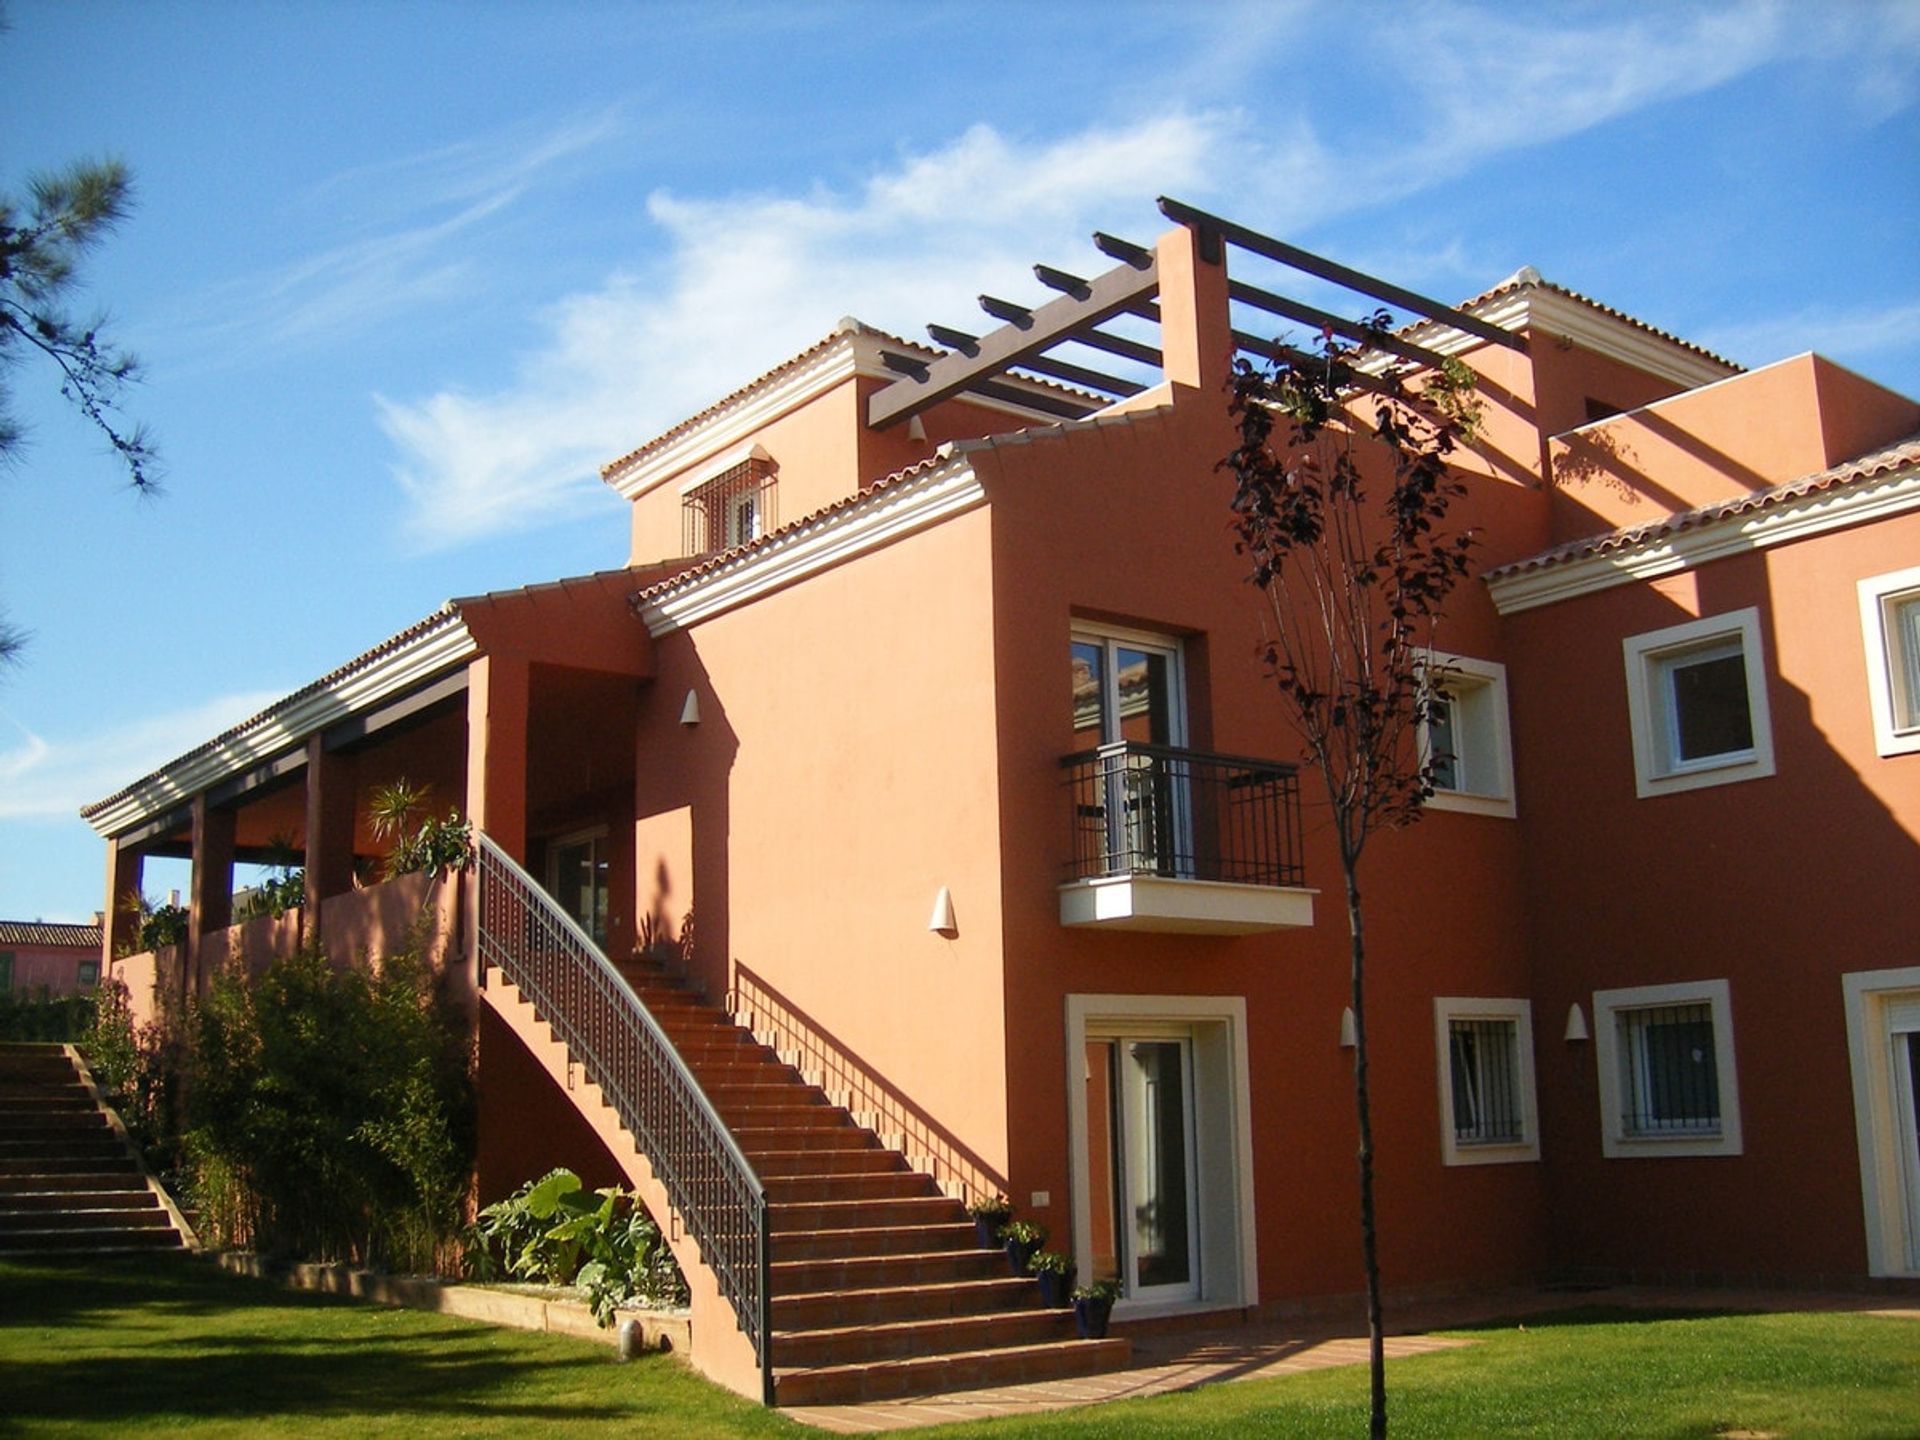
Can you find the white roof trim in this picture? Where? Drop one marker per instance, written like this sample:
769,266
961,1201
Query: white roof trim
883,516
275,730
1548,312
1670,552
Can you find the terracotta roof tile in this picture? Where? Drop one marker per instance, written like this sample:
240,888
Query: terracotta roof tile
42,932
1899,456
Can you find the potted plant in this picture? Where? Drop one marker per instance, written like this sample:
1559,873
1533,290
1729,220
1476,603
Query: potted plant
1022,1238
988,1216
1054,1271
1093,1307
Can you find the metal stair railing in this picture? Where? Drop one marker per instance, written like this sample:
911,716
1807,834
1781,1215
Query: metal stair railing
623,1050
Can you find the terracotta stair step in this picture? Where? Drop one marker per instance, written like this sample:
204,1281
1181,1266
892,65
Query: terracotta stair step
809,1274
935,1374
859,1240
857,1185
940,1335
878,1304
115,1217
68,1158
792,1121
101,1240
755,1070
134,1195
768,1091
756,1140
96,1177
850,1160
845,1214
29,1124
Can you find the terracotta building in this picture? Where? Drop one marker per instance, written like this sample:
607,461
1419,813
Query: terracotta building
919,781
42,958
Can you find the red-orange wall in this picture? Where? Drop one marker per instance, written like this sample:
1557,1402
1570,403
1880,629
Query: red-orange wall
1778,885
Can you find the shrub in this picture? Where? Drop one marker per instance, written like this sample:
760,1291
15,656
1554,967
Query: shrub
36,1016
554,1231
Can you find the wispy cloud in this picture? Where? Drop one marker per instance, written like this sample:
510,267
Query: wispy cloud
43,778
407,233
743,280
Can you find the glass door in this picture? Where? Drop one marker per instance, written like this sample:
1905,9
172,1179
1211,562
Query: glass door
1906,1118
1140,1130
1128,688
577,878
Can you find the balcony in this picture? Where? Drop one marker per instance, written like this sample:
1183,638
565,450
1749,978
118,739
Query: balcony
1183,842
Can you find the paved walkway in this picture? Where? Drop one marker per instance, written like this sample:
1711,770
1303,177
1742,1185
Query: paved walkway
1165,1362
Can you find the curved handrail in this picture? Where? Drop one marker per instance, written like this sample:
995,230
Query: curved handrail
617,1041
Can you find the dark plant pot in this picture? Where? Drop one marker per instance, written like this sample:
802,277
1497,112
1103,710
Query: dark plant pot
1021,1251
987,1228
1056,1289
1090,1316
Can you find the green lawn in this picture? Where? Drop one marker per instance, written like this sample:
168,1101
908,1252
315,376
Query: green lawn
139,1346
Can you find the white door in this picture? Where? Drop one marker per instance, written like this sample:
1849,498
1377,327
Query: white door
1904,1064
1128,687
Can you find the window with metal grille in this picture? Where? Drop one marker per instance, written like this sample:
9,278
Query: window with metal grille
1484,1055
731,509
1669,1081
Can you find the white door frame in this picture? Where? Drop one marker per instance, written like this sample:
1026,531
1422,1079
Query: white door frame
1879,1004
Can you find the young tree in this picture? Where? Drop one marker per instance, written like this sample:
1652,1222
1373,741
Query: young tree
41,244
1341,496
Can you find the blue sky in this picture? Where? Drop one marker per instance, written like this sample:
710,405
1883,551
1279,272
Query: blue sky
402,275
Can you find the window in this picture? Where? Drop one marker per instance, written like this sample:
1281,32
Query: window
1697,698
729,507
6,971
1890,627
1127,688
1485,1053
88,974
1667,1083
1466,736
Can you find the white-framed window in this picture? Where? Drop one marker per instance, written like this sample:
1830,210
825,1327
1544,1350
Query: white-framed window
1668,1085
1697,699
1890,628
1467,737
1485,1054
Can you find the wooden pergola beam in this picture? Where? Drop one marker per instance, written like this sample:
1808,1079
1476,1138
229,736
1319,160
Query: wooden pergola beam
1325,319
1305,260
1107,295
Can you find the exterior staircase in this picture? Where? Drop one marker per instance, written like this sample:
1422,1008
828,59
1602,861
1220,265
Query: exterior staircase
878,1286
69,1179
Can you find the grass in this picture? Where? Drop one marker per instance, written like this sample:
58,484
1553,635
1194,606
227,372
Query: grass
174,1345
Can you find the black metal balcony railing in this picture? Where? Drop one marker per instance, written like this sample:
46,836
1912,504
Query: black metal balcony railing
1155,810
623,1050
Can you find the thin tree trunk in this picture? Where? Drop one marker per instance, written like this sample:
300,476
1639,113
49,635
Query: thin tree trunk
1376,1348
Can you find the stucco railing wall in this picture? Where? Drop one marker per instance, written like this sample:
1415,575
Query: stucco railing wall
366,924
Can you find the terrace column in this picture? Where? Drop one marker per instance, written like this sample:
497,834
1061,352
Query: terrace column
1196,332
329,856
210,908
497,698
120,930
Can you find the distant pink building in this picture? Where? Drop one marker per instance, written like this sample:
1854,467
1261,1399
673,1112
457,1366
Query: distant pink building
41,958
930,690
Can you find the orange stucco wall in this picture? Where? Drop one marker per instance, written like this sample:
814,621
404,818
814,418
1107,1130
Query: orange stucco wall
1736,882
843,771
1128,524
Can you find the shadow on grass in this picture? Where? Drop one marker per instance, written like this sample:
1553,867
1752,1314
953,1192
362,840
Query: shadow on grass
110,1346
1590,1315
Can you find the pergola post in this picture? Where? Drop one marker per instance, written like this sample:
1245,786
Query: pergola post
120,927
329,849
497,700
210,908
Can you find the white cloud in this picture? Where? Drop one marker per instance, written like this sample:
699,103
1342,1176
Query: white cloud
42,778
745,280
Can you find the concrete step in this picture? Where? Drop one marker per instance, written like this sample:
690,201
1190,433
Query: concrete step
53,1157
102,1240
93,1177
937,1374
30,1124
